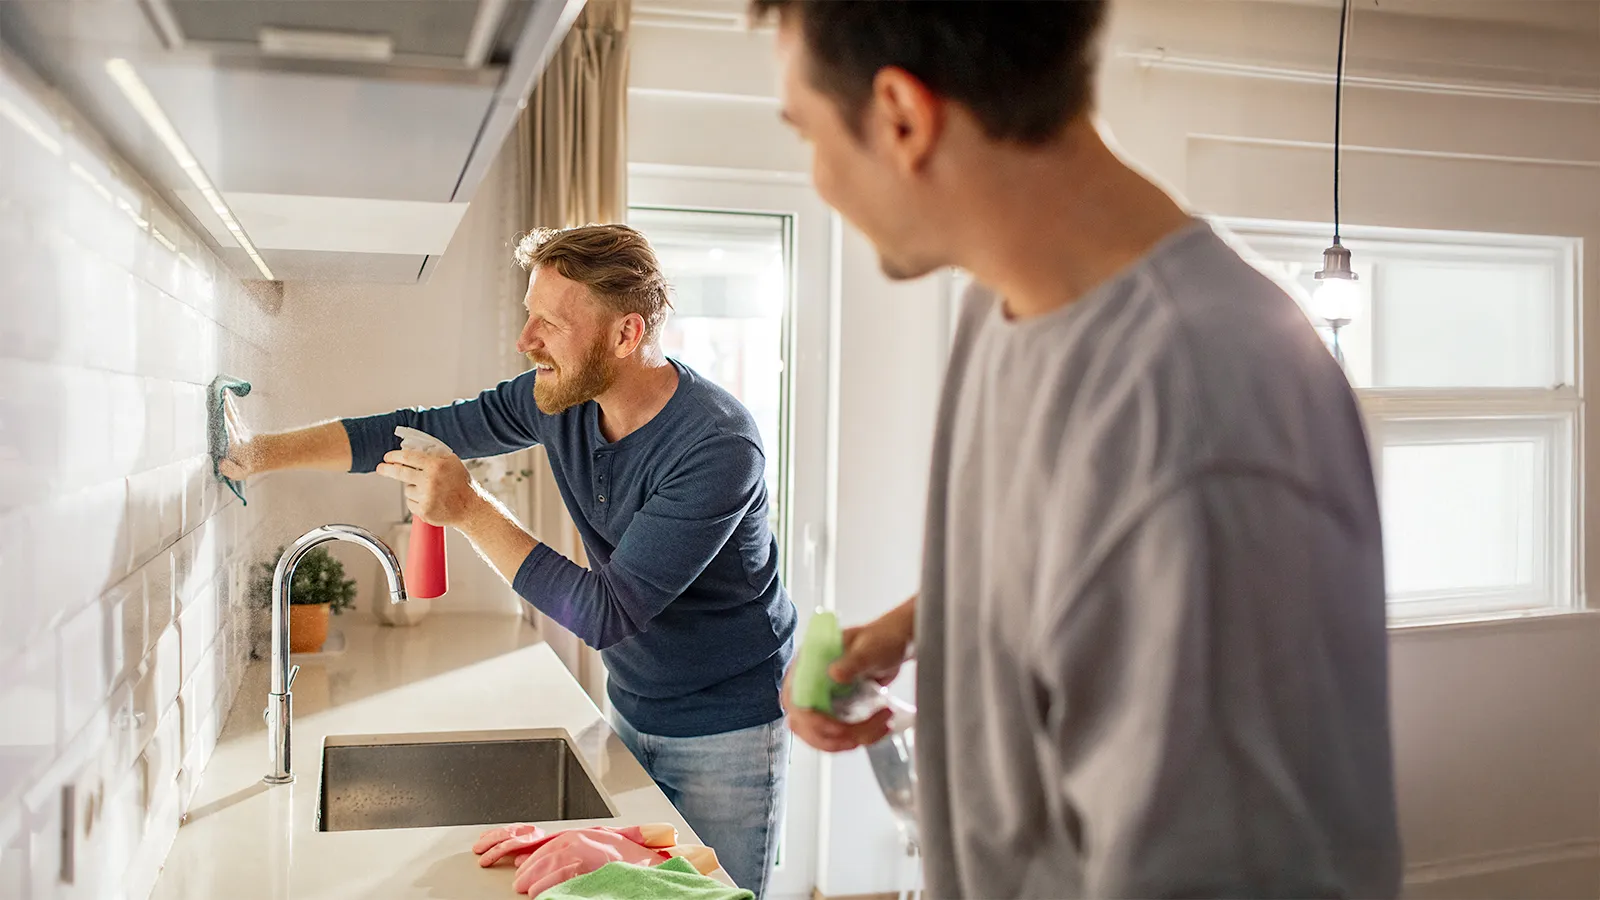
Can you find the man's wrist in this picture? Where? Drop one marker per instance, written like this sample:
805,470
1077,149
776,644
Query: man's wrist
480,511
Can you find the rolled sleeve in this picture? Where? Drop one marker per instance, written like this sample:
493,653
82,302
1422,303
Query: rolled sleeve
499,420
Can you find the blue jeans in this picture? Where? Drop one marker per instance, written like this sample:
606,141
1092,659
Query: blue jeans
729,788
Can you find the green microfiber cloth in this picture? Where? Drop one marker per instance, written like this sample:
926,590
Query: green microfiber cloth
217,426
824,642
674,879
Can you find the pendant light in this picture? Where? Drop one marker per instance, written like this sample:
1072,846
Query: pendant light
1337,296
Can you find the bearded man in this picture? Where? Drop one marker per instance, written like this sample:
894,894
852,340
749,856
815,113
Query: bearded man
663,473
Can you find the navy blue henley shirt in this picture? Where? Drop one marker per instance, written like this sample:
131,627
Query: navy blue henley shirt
683,598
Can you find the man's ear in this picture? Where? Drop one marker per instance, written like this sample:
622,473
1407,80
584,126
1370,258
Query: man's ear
907,116
630,334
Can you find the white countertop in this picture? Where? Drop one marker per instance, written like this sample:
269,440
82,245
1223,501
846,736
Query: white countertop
453,672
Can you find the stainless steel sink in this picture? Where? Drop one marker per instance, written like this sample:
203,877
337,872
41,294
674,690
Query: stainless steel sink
473,778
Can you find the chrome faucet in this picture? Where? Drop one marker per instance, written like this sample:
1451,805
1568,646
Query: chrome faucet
279,701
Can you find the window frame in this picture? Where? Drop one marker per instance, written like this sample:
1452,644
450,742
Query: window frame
1445,414
780,493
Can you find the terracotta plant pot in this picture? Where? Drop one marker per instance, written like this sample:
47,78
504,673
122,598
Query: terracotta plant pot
308,627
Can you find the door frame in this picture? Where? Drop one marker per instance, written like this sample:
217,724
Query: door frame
810,474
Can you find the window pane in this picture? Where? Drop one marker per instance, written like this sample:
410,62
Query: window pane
1441,310
1460,324
1463,517
730,277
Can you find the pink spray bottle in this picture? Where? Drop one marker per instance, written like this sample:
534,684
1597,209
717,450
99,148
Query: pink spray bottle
425,565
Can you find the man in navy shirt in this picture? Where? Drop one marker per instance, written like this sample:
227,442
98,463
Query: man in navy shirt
663,472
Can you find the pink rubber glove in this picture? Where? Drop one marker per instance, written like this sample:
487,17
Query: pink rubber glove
514,841
519,841
578,852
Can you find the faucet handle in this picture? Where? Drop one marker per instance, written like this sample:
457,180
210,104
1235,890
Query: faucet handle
289,685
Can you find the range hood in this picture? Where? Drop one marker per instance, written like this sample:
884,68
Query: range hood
311,139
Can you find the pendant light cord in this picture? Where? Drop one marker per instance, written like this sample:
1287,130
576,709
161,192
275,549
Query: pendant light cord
1338,111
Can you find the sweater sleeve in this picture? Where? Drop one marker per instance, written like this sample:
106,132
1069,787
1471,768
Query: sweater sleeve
499,420
678,531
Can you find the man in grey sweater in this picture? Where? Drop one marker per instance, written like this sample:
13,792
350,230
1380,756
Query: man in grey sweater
1151,647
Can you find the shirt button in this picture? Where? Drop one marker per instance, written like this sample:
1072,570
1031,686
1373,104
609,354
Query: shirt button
601,498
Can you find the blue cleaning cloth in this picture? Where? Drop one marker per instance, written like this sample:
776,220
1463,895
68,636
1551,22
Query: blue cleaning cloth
217,426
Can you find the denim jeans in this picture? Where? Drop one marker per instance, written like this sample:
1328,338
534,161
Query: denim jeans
729,788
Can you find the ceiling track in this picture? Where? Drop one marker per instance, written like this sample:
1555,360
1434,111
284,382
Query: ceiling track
165,22
402,67
1159,58
484,26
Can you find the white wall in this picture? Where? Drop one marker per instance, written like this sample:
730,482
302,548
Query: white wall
122,626
1497,732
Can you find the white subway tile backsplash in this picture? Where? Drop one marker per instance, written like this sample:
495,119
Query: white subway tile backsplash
28,707
161,829
197,627
162,758
30,432
14,879
43,812
84,424
76,546
158,443
196,471
145,496
183,582
116,834
82,654
22,614
189,418
139,723
82,764
94,216
159,263
96,310
160,602
33,331
165,662
128,405
125,624
116,543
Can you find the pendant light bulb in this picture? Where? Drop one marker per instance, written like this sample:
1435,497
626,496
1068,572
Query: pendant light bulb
1338,296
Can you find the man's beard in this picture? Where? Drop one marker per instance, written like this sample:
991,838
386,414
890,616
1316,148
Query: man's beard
591,378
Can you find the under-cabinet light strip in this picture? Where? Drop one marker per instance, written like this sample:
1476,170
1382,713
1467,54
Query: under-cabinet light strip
133,87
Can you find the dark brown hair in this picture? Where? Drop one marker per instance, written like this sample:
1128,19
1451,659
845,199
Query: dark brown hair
1025,68
614,262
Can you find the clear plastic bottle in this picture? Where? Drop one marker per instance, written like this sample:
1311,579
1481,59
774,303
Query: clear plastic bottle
893,757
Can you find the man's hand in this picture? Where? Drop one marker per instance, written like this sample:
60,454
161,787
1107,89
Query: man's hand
439,489
876,650
325,446
241,462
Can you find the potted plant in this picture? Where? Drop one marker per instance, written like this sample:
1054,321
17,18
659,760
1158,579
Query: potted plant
317,589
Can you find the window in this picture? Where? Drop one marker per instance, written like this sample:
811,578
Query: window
730,278
1464,357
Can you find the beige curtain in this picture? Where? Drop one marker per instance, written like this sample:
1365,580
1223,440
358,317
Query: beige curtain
570,149
573,137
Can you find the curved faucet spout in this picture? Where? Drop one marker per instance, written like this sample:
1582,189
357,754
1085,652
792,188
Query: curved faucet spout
279,700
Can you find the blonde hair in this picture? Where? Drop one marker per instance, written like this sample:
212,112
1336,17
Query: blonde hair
614,262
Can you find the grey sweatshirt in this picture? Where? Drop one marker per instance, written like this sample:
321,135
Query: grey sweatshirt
1151,633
